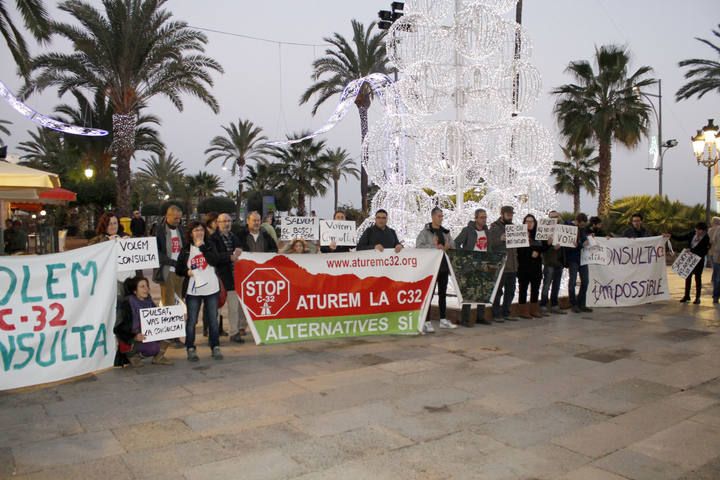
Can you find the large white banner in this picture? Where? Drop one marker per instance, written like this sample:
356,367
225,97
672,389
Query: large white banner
634,273
57,313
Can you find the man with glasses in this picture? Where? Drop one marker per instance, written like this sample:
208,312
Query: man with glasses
379,236
227,244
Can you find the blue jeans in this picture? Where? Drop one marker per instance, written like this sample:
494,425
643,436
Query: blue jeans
506,292
575,269
210,313
716,281
552,276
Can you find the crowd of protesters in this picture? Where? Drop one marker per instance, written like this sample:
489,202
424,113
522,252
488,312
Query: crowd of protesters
196,267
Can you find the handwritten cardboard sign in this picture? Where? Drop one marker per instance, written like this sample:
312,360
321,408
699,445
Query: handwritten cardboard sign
593,255
545,228
685,263
137,253
342,232
162,323
292,228
516,236
565,236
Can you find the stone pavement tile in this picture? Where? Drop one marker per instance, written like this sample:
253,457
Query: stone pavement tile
390,466
338,421
663,356
261,438
503,363
260,465
146,436
709,416
402,367
695,400
636,466
539,425
324,452
709,471
685,374
622,369
271,392
546,371
499,384
7,463
561,459
41,428
599,439
92,402
606,406
688,444
431,399
65,451
170,460
111,468
652,417
237,419
591,473
635,390
606,355
337,379
128,414
11,416
28,397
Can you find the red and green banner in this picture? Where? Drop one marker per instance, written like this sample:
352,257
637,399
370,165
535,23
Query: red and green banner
291,298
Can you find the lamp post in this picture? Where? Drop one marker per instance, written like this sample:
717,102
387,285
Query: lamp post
706,146
663,147
388,17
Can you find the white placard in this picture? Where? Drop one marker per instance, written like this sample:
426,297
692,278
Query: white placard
593,255
545,228
685,263
516,236
292,228
137,253
342,232
565,236
162,323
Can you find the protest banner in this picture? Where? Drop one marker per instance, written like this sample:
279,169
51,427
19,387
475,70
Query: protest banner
475,275
516,236
635,273
593,255
57,313
162,323
292,228
545,228
565,236
341,232
137,253
685,263
289,298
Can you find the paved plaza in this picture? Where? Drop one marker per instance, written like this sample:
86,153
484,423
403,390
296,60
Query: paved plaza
630,393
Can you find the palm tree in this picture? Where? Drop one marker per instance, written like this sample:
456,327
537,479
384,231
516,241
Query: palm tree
705,74
344,62
303,174
133,51
203,185
604,107
35,19
242,142
263,176
97,151
341,166
47,150
164,172
3,129
580,171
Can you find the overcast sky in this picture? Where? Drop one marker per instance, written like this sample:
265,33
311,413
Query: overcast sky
263,81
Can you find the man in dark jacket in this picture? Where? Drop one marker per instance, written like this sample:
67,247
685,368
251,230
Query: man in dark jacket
379,236
572,256
474,238
553,265
699,243
506,288
636,228
170,238
227,245
137,225
255,239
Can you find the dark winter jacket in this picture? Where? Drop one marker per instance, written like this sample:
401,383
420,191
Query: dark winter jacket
497,245
701,249
224,267
468,237
373,236
268,241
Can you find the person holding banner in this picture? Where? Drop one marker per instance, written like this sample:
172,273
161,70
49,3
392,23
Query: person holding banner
196,263
530,271
714,236
506,288
170,237
256,239
108,227
699,245
474,238
636,228
131,345
228,247
434,235
333,247
379,236
578,301
553,265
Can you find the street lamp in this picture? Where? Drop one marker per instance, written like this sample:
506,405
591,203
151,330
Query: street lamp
663,147
706,146
388,17
89,172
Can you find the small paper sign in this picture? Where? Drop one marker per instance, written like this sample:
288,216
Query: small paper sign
685,263
137,253
516,236
342,232
546,228
162,323
292,228
593,255
565,236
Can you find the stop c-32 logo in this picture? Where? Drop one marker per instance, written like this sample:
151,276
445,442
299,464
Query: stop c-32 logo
265,292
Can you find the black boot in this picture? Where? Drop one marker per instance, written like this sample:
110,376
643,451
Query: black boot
481,316
465,315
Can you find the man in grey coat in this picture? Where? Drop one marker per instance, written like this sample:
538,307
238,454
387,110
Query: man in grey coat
506,288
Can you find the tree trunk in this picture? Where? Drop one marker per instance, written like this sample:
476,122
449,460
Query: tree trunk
241,164
604,177
363,103
576,200
301,203
124,148
335,187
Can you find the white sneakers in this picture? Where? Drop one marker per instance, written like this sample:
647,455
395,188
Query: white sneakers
445,323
